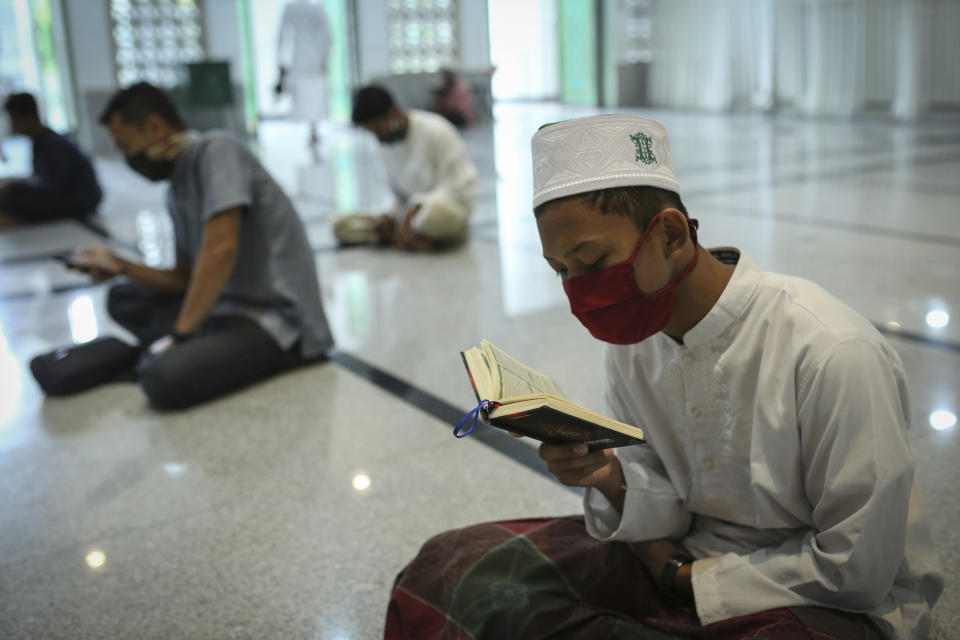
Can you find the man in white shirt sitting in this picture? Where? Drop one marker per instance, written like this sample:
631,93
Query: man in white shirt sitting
429,171
775,494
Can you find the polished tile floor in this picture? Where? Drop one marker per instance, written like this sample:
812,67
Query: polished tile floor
286,510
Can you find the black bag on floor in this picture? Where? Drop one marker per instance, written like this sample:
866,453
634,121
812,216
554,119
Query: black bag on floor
78,367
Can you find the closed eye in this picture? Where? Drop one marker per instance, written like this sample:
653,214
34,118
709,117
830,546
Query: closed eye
595,264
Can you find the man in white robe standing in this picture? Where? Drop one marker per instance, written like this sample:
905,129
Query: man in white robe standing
303,49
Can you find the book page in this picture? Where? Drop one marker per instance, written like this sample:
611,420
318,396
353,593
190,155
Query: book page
513,378
478,368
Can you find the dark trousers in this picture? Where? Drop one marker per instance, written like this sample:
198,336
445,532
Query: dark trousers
32,204
229,353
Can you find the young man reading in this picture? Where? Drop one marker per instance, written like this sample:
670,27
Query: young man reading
430,173
775,495
242,301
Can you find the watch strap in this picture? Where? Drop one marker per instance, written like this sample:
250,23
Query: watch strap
669,573
180,337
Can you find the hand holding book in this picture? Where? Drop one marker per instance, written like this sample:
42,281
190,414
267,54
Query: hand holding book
575,466
518,399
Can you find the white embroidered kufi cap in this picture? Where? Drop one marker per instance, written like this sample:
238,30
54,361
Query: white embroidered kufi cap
600,152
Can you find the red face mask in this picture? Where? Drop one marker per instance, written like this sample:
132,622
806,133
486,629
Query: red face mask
610,304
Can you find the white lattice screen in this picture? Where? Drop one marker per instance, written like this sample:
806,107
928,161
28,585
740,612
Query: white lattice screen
422,35
152,38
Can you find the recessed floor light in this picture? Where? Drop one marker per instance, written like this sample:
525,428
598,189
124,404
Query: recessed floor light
941,420
938,318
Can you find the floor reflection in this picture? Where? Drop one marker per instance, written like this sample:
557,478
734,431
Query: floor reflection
83,319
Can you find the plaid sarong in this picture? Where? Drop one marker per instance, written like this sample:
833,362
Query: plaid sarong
547,578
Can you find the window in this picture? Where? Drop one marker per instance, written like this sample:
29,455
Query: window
152,38
635,37
423,35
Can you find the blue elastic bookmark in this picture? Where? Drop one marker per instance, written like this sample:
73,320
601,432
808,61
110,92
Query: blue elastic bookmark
475,412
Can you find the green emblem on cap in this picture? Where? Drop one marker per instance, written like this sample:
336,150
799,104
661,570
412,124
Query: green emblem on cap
644,148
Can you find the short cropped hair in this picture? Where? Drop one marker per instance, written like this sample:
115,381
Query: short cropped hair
639,204
23,105
371,103
140,100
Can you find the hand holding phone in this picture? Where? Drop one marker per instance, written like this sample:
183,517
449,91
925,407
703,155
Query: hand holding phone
66,259
99,262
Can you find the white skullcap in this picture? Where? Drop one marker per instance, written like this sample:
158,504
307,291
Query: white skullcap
600,152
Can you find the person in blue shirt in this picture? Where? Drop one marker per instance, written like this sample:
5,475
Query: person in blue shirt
63,184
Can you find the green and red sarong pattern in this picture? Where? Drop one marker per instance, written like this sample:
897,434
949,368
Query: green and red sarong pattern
547,578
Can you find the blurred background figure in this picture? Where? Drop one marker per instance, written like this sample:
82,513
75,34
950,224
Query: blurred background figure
303,48
454,99
429,171
242,301
63,184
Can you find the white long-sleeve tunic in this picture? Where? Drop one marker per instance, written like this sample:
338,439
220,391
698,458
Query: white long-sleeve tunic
777,451
304,39
430,164
303,49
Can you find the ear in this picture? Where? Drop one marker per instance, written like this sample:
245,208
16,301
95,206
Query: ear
677,230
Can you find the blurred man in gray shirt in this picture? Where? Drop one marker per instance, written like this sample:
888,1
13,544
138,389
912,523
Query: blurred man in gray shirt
242,301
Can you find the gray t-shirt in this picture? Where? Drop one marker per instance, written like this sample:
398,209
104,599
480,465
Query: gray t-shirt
274,281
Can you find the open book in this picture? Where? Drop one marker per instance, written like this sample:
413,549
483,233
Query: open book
527,402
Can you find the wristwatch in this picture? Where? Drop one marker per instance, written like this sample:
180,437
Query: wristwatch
669,574
180,337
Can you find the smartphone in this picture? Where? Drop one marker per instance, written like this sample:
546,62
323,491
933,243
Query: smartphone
67,259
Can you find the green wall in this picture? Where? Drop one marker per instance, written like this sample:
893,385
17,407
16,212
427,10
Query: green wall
578,51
